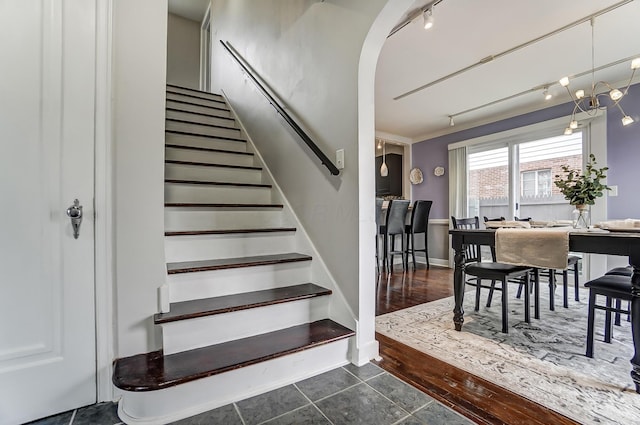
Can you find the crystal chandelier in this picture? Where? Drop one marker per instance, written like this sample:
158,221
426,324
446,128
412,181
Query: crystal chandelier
590,103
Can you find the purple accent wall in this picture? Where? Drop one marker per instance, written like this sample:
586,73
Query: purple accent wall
623,156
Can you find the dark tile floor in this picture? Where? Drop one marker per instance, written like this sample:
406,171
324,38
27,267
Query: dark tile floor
347,395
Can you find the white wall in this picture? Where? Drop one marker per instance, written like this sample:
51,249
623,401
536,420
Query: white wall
183,51
139,59
309,53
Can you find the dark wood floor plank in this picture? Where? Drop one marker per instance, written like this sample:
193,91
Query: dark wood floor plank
230,231
153,371
236,302
231,263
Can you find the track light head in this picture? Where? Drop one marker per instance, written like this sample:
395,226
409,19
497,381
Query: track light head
428,18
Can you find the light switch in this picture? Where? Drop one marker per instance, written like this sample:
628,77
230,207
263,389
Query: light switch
340,159
613,191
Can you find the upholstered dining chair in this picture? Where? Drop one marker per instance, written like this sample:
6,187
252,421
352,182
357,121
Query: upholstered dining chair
495,271
419,224
621,271
395,226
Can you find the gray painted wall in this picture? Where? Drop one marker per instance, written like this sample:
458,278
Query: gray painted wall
183,52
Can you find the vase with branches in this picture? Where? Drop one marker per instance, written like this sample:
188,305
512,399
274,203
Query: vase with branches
582,189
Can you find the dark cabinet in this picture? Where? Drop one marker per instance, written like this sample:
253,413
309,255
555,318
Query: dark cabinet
392,184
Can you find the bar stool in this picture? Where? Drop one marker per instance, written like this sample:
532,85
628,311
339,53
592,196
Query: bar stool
395,226
419,224
612,287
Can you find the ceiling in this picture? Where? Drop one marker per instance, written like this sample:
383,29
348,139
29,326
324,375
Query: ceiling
466,31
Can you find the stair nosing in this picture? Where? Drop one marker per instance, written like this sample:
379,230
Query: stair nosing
215,183
198,104
209,164
234,302
252,261
171,91
229,231
207,205
333,332
202,123
198,148
199,113
208,136
192,89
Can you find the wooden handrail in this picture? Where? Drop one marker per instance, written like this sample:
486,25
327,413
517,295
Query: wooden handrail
303,135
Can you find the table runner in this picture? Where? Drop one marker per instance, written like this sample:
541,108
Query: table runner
543,248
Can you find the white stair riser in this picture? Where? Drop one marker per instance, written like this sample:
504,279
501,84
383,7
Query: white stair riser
213,194
204,247
203,129
182,401
218,283
215,219
197,100
190,334
205,142
201,119
200,109
210,157
212,96
204,173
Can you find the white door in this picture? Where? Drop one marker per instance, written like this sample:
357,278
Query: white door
47,319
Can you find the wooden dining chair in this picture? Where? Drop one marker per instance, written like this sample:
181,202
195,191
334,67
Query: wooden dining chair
419,225
494,271
380,231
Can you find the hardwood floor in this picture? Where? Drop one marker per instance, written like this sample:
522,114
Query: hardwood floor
473,397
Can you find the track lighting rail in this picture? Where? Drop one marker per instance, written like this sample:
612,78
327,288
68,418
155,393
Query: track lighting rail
276,105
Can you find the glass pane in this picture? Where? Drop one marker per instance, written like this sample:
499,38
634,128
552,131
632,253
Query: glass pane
540,162
488,194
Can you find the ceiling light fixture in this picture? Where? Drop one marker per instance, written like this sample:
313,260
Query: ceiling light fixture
379,144
451,123
428,18
547,95
590,102
384,171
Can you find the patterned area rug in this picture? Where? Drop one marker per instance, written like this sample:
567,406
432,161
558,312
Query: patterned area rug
543,361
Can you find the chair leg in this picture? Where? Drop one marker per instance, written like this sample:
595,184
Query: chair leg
377,254
478,287
590,323
607,321
527,299
536,293
426,249
413,252
519,293
576,284
552,290
565,289
505,307
491,290
616,321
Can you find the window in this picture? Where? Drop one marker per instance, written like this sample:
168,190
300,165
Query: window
536,183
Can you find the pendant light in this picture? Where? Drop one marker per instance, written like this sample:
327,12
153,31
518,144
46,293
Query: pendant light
384,171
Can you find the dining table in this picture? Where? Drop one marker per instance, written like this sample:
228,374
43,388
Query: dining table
597,242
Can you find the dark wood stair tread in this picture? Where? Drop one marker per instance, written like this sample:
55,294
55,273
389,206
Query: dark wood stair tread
209,164
198,104
230,206
204,124
202,96
229,231
212,183
208,136
154,371
198,148
204,114
232,263
225,304
176,86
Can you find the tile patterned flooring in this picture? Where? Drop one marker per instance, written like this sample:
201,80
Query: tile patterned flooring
347,395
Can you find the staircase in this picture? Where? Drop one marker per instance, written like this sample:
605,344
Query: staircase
249,307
